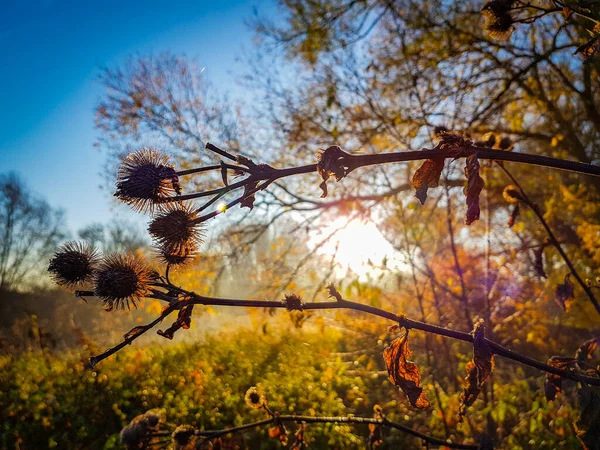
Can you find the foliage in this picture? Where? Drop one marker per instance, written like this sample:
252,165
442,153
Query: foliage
56,401
485,82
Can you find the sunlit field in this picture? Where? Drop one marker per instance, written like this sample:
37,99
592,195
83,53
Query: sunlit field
300,224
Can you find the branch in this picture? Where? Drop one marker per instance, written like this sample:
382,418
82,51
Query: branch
351,162
195,299
211,434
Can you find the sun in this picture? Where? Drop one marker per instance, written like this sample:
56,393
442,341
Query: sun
357,245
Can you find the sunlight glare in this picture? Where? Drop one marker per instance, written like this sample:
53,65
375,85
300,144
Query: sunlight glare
360,247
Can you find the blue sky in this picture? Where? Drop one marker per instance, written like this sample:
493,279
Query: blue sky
52,52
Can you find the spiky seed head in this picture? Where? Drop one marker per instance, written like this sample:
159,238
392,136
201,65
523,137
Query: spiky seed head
498,20
73,264
145,179
439,131
167,256
255,397
293,302
121,281
182,434
132,436
176,231
501,27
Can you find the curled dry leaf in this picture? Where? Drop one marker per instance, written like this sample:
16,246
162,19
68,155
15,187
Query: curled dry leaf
552,382
427,176
538,261
184,320
224,174
564,293
332,162
586,350
478,370
587,426
473,188
404,373
248,196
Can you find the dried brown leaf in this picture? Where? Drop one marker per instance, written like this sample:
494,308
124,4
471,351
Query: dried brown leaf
248,199
332,162
473,188
404,373
224,174
478,370
552,382
586,350
538,261
427,176
184,320
564,293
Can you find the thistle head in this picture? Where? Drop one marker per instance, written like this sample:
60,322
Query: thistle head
176,233
293,302
138,430
498,20
182,435
122,281
145,179
255,397
167,256
73,264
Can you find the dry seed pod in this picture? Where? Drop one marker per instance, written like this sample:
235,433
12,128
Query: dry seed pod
145,179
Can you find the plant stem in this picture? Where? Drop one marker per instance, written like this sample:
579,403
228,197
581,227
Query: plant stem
356,161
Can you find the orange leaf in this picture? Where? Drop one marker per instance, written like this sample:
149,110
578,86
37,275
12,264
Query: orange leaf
478,370
473,188
427,176
553,383
403,373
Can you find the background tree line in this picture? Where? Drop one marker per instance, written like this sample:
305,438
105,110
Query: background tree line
374,76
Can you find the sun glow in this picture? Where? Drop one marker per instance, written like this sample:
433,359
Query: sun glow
357,245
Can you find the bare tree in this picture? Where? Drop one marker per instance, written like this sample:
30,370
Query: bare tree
29,231
116,236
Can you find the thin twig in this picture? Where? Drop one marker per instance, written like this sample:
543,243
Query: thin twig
212,434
